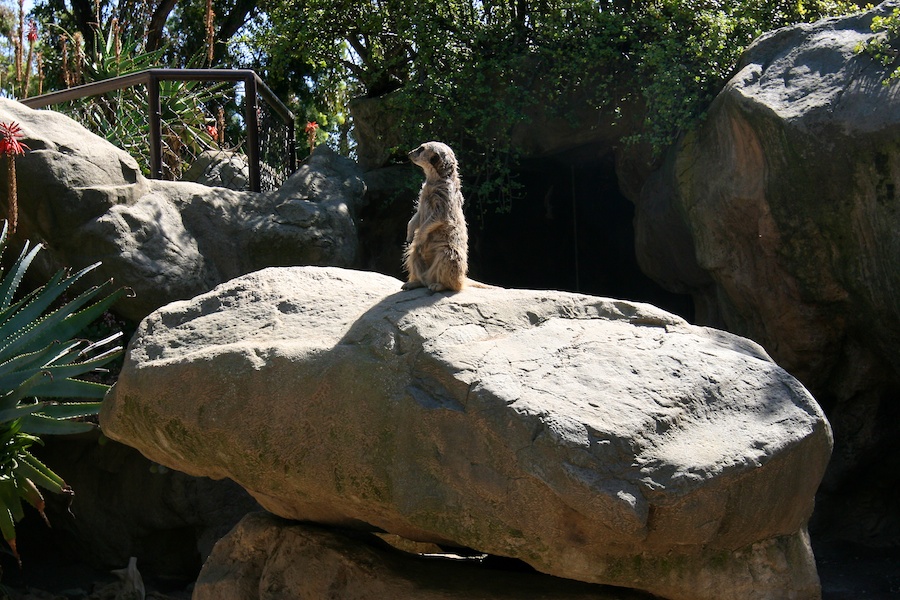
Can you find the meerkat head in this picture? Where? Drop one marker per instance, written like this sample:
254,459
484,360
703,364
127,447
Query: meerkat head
436,159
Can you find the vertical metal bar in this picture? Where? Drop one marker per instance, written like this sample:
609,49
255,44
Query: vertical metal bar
251,115
291,148
155,115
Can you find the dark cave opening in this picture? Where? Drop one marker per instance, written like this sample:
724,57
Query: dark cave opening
570,229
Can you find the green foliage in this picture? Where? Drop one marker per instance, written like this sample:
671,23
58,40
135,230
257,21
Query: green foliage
39,358
884,46
477,73
121,116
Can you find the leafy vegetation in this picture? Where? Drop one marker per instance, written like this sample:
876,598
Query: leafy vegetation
121,116
884,46
474,73
40,358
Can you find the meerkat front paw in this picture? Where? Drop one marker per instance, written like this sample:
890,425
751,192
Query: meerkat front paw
411,285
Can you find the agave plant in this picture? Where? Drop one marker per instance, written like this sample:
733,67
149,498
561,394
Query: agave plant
40,360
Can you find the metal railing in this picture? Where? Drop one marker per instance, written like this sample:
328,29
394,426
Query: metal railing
254,118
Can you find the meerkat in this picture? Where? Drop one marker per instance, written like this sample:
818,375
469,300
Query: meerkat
437,248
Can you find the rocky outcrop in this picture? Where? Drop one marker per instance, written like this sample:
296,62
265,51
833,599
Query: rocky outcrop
596,440
219,168
87,201
267,558
780,214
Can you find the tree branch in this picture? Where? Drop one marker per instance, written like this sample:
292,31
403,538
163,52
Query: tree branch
157,24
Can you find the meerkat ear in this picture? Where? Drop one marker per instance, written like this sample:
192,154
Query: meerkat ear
436,160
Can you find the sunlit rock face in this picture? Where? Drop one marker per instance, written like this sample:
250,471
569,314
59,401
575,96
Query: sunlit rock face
595,439
781,214
87,201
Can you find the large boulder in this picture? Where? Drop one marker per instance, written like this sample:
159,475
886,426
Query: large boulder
87,201
597,440
781,216
267,558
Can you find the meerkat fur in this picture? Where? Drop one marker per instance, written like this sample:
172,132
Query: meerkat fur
437,249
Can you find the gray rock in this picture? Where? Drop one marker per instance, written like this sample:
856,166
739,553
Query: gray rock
219,168
87,201
597,440
780,215
376,129
266,558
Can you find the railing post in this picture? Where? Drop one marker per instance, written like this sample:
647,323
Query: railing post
291,148
156,171
251,115
253,88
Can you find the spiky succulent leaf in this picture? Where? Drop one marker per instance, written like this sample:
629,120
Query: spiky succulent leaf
9,497
7,522
68,410
19,368
23,390
40,474
10,283
39,358
17,412
40,425
69,388
69,320
30,329
21,317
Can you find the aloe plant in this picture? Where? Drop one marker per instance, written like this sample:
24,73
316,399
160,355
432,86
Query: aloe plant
40,362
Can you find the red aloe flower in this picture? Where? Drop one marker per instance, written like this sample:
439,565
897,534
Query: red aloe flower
311,128
10,134
32,32
10,146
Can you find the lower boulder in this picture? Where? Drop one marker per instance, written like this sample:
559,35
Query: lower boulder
267,558
594,439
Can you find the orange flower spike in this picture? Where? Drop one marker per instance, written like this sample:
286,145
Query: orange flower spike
311,128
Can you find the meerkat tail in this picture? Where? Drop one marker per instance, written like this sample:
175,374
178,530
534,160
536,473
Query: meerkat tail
484,286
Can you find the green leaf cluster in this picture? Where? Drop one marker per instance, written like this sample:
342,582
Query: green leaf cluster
41,362
121,116
884,45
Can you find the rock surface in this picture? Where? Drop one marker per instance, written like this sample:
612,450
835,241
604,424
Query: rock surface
267,558
87,201
594,439
219,168
781,216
